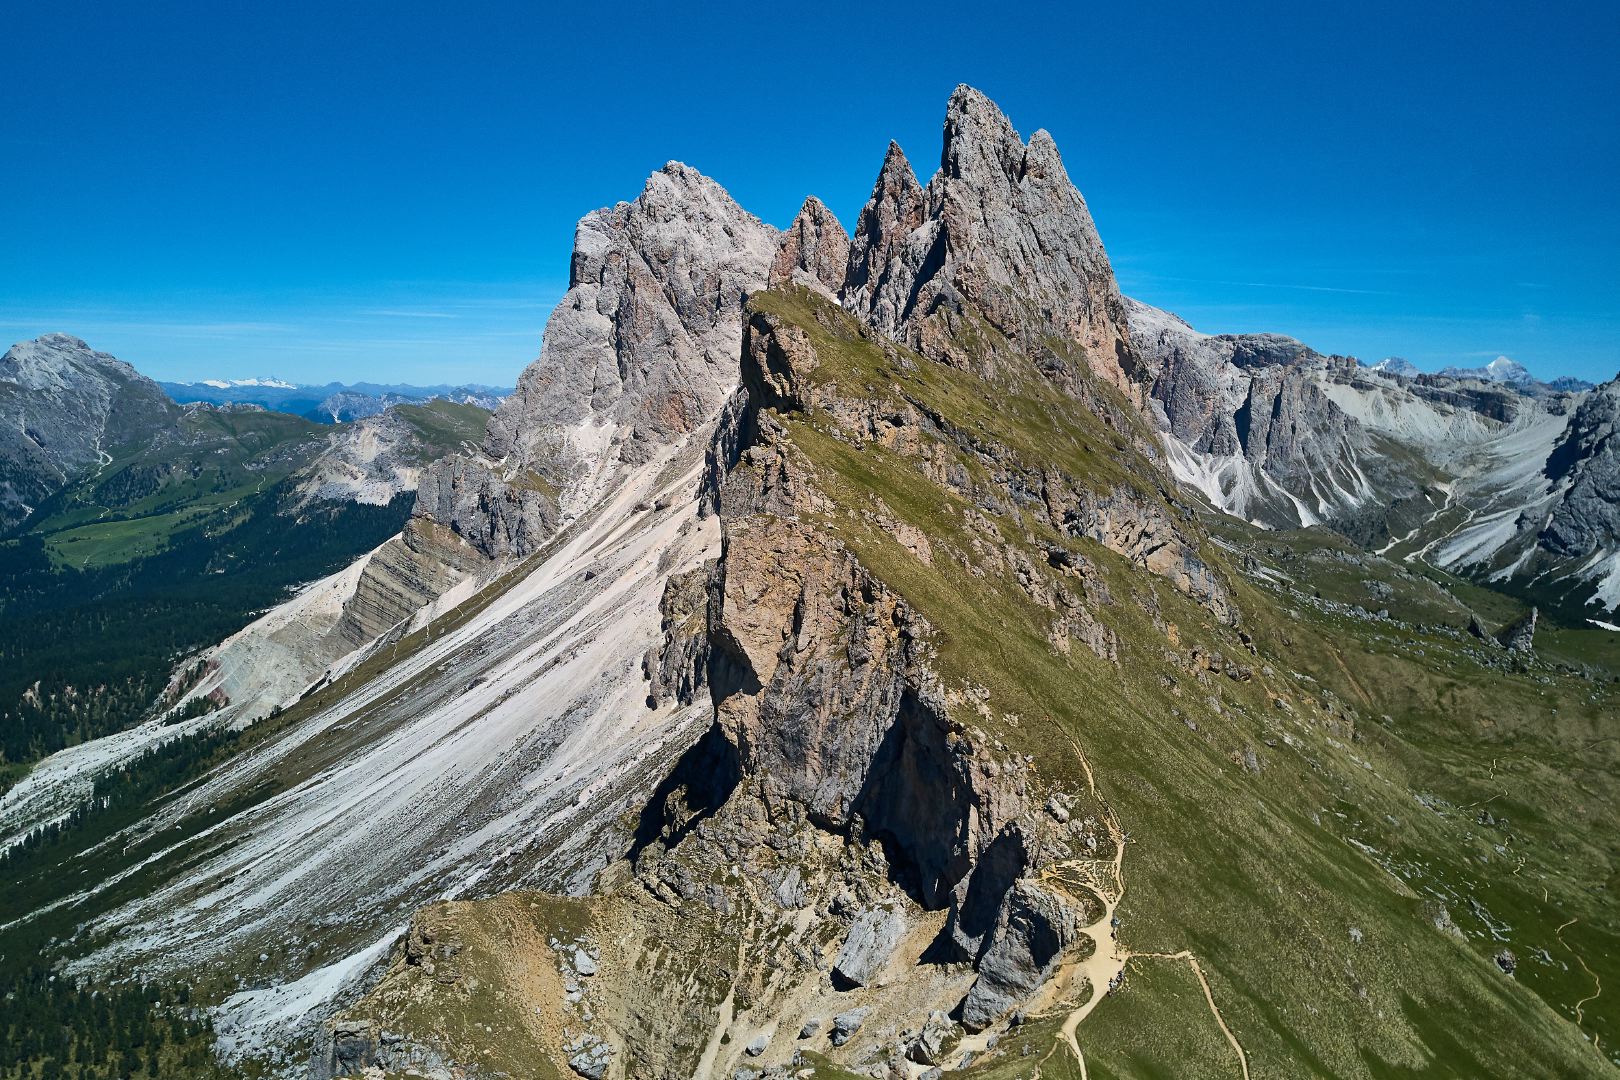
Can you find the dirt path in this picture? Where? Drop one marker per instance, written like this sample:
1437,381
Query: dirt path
1597,984
1366,698
1209,996
1107,961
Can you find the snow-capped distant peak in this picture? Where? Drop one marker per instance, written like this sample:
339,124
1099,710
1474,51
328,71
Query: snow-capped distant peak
1395,365
226,384
1505,369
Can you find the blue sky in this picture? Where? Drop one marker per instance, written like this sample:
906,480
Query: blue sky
388,191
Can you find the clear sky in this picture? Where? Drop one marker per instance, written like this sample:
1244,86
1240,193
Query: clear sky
388,191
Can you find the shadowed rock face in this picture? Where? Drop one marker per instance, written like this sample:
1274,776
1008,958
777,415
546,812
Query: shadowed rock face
999,228
1587,518
62,406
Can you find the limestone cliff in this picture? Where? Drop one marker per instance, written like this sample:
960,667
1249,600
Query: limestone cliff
639,352
999,230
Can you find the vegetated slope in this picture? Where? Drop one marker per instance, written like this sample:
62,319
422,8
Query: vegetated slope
1306,842
66,409
177,541
935,627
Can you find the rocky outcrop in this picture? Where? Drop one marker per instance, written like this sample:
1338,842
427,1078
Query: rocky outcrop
814,251
820,680
1001,230
644,343
871,941
64,410
778,365
640,351
1521,636
830,719
1252,427
372,460
1037,926
422,563
1586,519
501,516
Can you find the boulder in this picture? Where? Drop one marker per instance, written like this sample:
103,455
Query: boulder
872,938
846,1024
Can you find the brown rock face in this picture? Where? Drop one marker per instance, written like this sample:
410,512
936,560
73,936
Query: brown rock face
1001,230
830,720
822,683
814,251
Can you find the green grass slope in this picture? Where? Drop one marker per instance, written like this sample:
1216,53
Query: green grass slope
1297,829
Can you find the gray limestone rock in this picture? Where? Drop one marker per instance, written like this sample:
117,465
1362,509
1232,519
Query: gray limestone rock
814,251
1036,926
1257,399
646,338
1000,228
589,1056
928,1046
499,516
872,939
641,350
846,1024
1587,516
1521,636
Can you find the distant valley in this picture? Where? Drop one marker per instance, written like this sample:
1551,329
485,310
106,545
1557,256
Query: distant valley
333,403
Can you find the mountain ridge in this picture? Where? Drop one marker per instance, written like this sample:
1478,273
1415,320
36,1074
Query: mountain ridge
804,662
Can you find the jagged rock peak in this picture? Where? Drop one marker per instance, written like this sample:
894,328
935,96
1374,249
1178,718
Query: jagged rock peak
646,338
641,350
814,251
892,213
1000,228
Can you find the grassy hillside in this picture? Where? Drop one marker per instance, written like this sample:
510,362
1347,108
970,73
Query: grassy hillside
210,463
165,550
1359,842
1298,829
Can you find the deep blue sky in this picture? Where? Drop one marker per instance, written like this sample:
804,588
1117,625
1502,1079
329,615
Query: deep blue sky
323,191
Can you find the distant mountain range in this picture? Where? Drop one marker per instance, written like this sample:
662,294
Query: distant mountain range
333,403
1503,369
